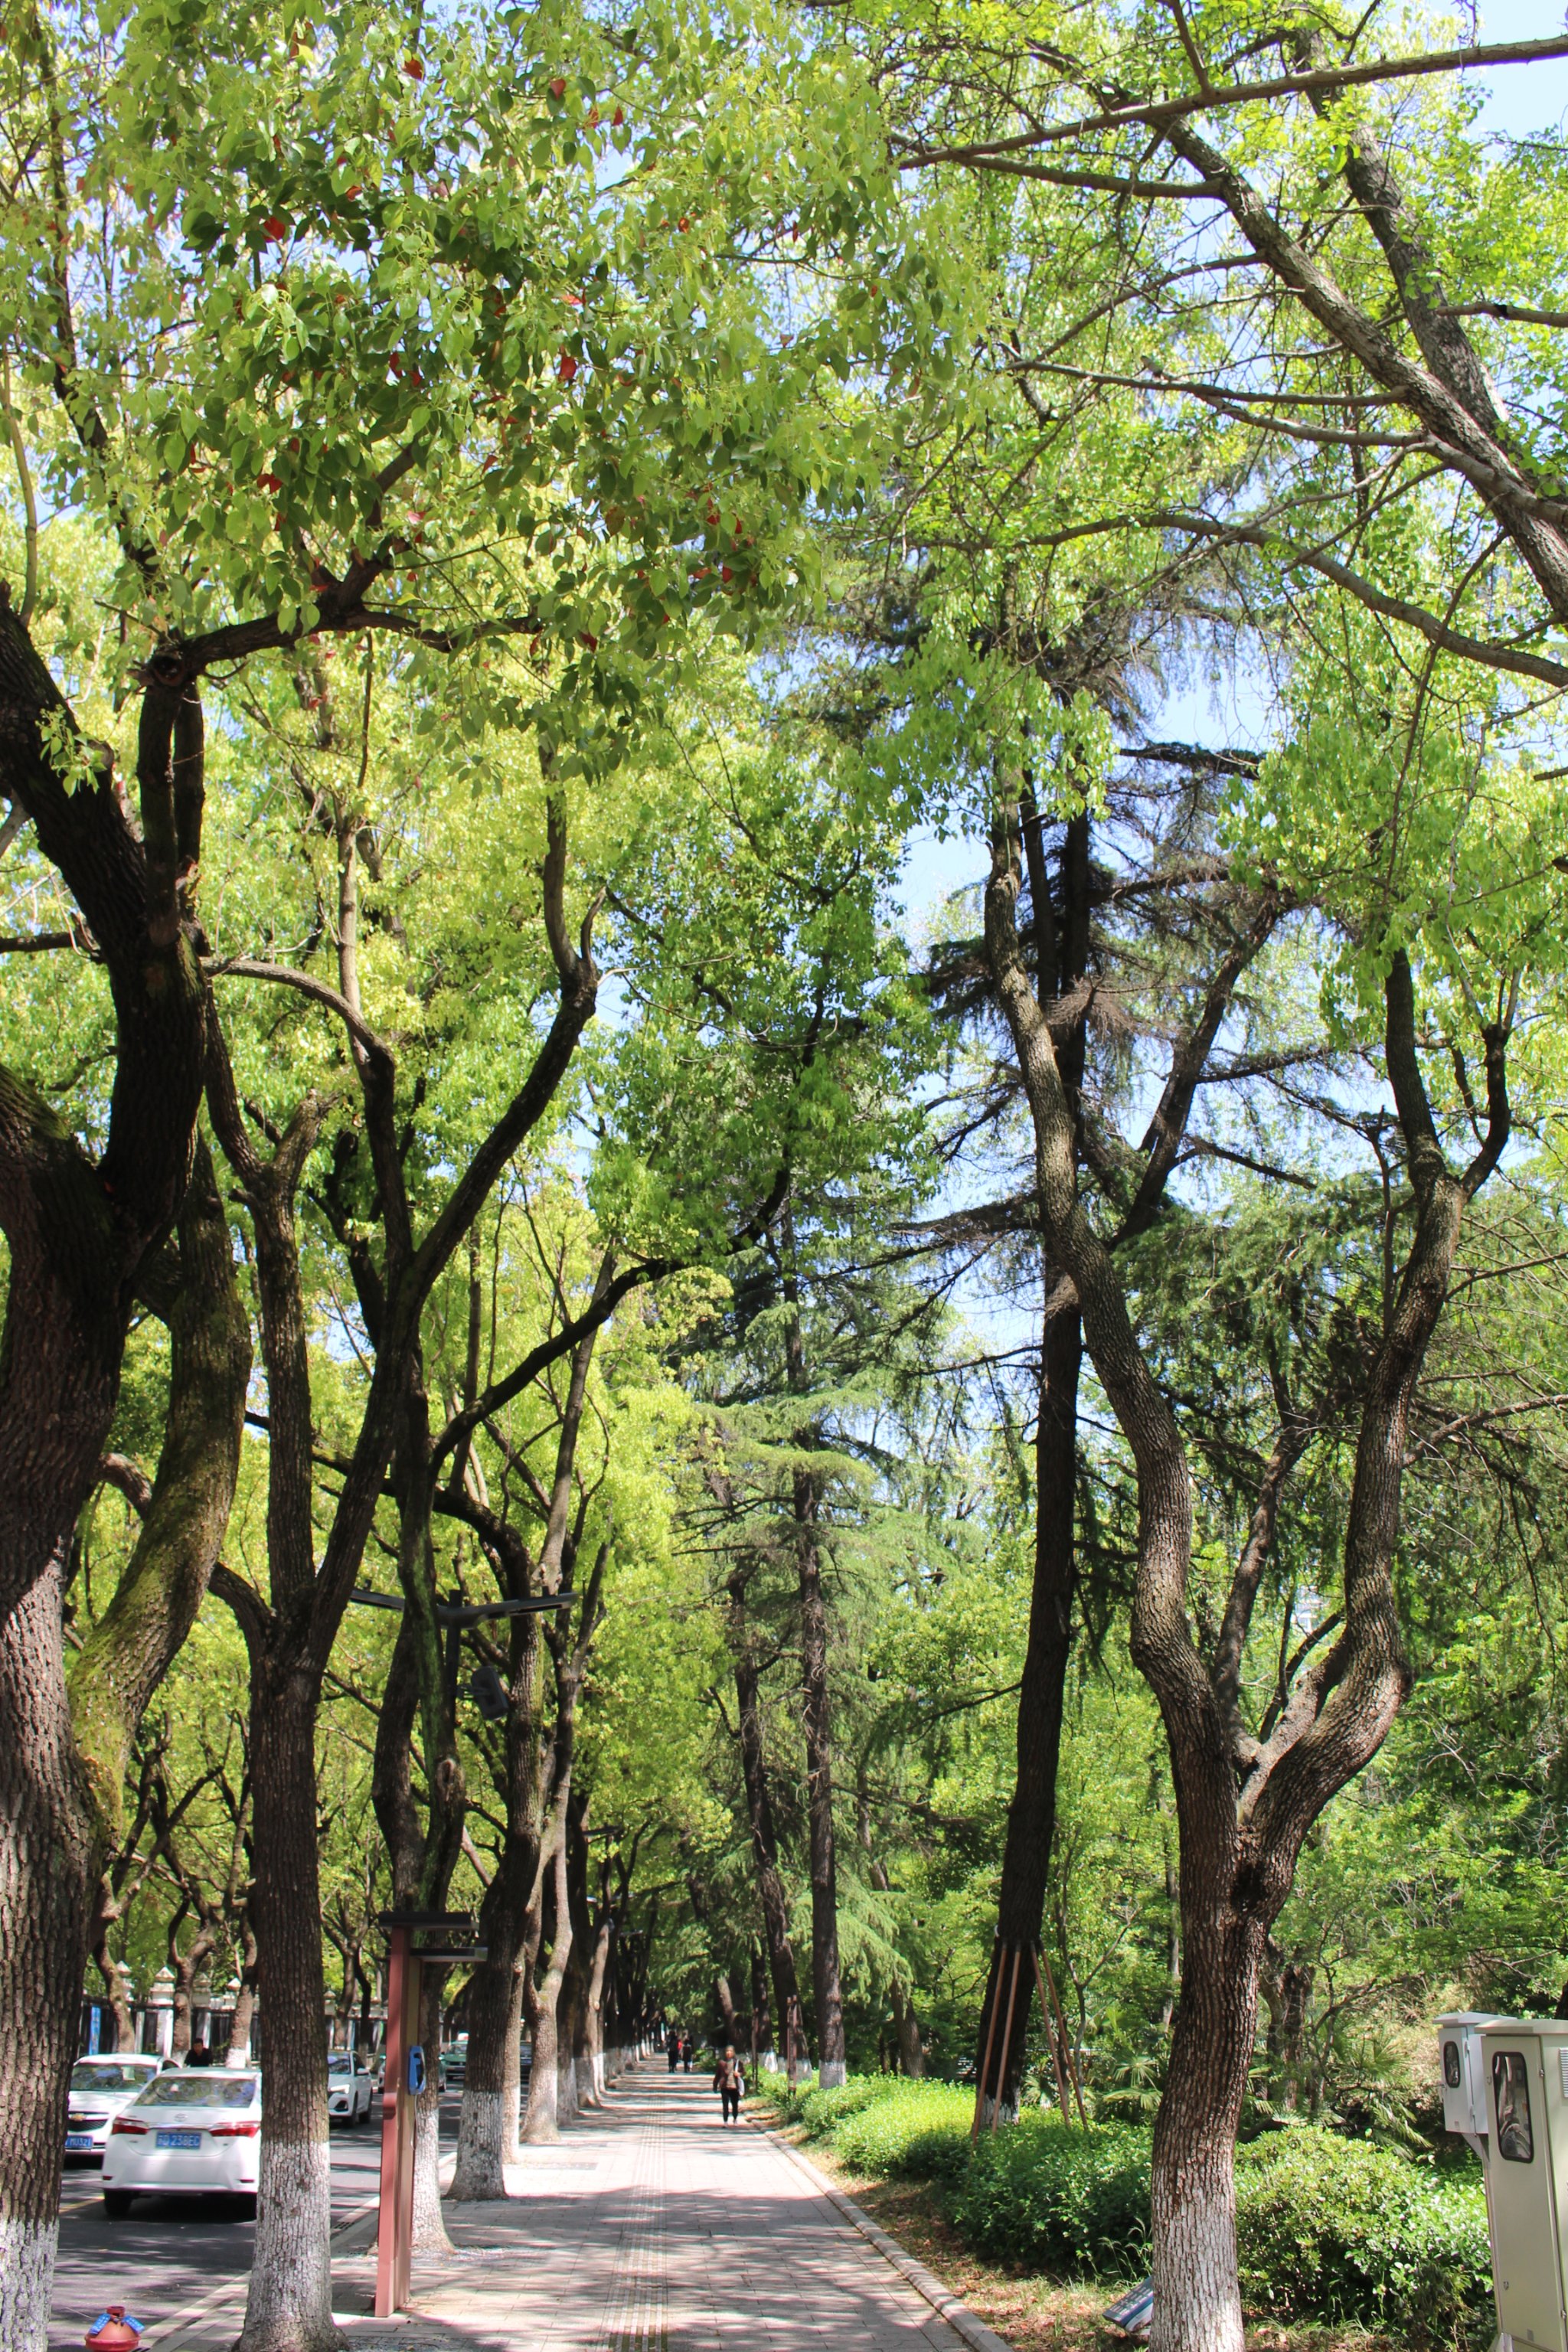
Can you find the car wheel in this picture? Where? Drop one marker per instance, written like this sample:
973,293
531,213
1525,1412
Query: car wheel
117,2203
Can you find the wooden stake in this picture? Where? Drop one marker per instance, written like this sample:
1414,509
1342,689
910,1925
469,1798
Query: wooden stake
1067,2046
1007,2032
990,2037
1048,2021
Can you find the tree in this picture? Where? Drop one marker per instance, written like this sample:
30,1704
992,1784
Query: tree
1247,1803
1347,193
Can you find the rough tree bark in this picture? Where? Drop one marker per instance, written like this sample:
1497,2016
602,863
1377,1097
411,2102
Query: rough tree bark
569,1656
759,1804
541,2002
593,2094
1245,1803
79,1235
490,2081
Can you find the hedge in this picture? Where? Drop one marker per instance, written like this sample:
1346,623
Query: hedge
1054,2197
1328,2229
1339,2230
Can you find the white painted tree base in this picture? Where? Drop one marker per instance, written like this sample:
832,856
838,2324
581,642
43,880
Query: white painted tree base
481,2174
27,2283
832,2073
289,2307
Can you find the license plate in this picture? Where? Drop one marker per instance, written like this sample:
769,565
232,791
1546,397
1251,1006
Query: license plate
179,2140
78,2139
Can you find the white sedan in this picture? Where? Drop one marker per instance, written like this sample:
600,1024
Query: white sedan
102,2088
351,2093
195,2134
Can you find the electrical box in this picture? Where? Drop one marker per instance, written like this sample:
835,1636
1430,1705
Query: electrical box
1524,2085
1464,2073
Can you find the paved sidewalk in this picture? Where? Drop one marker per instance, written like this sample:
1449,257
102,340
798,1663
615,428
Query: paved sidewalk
650,2227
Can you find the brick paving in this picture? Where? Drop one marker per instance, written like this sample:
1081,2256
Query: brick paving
651,2227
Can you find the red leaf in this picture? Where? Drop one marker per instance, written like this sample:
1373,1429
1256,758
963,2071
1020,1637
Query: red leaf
558,87
568,367
413,68
274,229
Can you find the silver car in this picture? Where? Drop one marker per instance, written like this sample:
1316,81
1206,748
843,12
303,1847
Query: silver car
100,2089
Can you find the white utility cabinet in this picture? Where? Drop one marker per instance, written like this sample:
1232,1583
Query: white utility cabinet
1514,2077
1465,2076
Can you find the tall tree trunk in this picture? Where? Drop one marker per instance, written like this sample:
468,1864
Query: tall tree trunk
825,1975
1031,1819
576,2071
511,2092
595,2036
46,1877
758,1809
243,2025
541,2123
1061,937
906,2024
495,1988
78,1238
761,2014
817,1707
423,1852
429,2222
289,2304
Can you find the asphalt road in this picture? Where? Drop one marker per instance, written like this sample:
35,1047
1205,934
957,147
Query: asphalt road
172,2251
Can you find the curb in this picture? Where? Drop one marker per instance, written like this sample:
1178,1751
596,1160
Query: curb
957,2313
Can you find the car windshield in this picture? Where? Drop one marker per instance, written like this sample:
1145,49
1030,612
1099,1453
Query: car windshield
339,2065
203,2090
106,2075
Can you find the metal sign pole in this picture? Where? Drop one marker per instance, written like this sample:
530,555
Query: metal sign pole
395,2233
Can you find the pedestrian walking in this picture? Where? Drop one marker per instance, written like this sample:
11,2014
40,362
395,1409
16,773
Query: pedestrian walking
729,2083
672,2045
686,2054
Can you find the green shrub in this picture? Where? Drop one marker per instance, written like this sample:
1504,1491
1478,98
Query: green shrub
821,2112
1327,2228
917,2131
1338,2230
1053,2198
